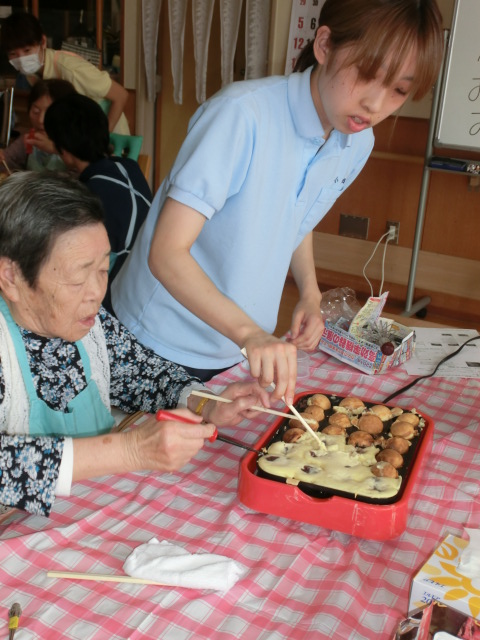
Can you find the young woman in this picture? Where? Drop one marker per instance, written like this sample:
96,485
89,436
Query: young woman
262,164
25,42
33,150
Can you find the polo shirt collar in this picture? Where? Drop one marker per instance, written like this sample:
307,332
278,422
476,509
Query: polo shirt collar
304,115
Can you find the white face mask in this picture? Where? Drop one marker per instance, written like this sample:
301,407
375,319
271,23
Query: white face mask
27,64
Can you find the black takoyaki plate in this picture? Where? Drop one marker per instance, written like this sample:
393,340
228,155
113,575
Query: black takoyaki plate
318,491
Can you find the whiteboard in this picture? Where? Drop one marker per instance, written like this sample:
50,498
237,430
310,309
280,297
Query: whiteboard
458,123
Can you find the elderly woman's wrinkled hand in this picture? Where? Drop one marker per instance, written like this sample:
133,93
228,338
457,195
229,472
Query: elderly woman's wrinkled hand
166,445
243,395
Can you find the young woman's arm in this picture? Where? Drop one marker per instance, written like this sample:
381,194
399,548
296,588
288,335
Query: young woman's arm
307,323
271,360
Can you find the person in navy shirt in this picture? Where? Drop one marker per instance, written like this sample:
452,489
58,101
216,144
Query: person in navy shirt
78,128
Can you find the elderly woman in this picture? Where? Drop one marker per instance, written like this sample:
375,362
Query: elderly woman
64,361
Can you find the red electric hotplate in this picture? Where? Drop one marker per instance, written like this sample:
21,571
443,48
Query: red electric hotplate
370,518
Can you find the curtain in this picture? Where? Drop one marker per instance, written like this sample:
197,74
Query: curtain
257,22
150,21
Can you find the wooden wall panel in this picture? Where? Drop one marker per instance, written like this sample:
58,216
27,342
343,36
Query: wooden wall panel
388,188
452,283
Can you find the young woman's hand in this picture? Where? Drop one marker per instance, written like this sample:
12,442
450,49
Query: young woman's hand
307,325
273,360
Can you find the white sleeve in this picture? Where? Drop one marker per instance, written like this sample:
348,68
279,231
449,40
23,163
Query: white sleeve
65,474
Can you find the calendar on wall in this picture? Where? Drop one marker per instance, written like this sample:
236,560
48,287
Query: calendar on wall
303,25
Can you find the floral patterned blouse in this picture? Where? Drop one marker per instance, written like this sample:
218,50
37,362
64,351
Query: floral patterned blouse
140,380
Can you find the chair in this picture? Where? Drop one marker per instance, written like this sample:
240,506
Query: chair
126,146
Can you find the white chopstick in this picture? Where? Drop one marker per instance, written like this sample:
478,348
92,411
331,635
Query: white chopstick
304,422
99,577
211,396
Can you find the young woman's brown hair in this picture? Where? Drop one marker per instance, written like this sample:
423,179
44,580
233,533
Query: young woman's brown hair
371,30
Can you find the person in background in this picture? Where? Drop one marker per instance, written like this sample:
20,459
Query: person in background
33,150
78,129
25,42
263,162
64,360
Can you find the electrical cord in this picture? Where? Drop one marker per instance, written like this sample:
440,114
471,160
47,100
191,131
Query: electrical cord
443,360
385,235
414,382
383,265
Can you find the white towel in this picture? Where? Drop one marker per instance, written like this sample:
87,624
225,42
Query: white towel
170,564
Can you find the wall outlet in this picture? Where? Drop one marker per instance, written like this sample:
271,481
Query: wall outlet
397,230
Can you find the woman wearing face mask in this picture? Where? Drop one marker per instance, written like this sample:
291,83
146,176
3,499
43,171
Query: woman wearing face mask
34,150
26,45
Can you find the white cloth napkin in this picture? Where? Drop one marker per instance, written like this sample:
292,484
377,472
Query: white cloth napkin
170,564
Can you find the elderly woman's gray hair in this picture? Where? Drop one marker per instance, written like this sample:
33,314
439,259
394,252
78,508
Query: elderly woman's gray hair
35,209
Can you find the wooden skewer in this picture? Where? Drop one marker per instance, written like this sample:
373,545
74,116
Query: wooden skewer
127,421
6,167
100,577
211,396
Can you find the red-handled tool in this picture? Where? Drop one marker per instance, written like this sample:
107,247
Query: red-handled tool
168,415
28,144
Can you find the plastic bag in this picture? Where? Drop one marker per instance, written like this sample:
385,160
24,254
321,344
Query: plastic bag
339,306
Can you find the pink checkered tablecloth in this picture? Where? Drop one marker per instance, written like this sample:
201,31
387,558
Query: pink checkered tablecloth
303,581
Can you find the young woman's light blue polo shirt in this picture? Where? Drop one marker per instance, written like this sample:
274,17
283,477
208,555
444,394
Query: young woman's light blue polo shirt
255,164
